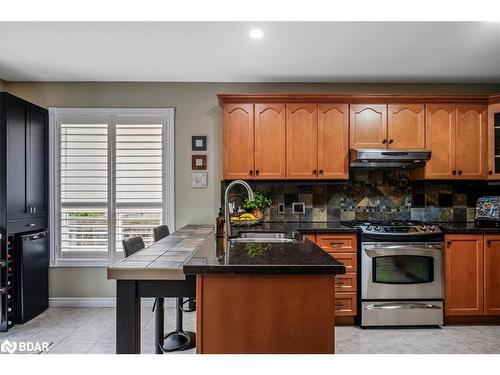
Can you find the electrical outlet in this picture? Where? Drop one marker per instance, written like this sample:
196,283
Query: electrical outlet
281,208
298,208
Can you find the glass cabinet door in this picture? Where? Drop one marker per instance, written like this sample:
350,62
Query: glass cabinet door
494,142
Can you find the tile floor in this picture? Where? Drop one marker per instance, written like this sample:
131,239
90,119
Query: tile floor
92,330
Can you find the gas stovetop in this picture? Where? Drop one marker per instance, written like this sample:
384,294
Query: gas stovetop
399,228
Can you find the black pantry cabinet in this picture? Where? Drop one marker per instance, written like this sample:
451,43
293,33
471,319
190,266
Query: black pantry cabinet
23,187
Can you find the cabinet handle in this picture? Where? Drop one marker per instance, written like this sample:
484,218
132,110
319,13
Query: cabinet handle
31,225
336,243
321,171
488,243
339,304
257,172
490,172
34,209
460,173
384,141
315,172
449,243
454,172
250,172
391,140
339,282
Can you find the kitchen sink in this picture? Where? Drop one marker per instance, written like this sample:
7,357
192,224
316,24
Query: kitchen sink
263,237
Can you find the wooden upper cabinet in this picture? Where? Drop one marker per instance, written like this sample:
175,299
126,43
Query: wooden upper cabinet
492,274
464,278
270,156
302,141
494,142
406,126
440,140
471,142
333,141
238,141
368,126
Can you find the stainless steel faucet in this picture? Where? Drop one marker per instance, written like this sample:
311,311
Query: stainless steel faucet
226,202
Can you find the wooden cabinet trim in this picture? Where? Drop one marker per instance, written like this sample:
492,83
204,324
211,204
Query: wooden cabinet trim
350,99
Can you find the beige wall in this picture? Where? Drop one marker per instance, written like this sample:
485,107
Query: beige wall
197,113
2,85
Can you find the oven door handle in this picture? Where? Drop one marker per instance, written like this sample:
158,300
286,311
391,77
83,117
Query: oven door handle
373,251
402,306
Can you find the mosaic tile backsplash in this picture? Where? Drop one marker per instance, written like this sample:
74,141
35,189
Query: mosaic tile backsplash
375,195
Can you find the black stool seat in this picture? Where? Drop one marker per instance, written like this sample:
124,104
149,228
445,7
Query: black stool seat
179,339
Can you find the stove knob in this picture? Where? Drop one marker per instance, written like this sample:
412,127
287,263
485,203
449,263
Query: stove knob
423,227
377,228
369,227
432,227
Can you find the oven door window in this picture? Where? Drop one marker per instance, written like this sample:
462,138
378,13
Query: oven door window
403,269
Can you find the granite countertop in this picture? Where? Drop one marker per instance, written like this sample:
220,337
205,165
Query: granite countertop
299,257
194,249
466,227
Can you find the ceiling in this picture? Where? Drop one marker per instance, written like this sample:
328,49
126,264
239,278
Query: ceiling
427,52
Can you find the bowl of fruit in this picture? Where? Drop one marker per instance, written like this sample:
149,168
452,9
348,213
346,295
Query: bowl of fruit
245,220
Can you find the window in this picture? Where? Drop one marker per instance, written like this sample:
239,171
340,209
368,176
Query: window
111,178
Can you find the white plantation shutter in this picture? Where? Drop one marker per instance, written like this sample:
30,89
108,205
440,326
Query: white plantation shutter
113,179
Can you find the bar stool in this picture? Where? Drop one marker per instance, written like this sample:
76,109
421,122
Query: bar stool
179,339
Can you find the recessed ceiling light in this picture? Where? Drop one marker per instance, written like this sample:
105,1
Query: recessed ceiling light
256,33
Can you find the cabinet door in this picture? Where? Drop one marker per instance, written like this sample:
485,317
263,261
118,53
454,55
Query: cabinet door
302,141
470,142
333,141
15,117
492,274
464,262
440,140
406,126
494,142
238,141
269,141
37,161
368,126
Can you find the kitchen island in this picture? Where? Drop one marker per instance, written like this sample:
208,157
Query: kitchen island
252,297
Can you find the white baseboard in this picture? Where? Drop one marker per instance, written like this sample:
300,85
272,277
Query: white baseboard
100,302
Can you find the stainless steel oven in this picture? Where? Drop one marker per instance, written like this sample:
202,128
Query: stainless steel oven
401,270
401,283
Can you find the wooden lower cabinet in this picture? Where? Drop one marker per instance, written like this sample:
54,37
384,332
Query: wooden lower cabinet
264,314
472,276
464,281
343,247
492,274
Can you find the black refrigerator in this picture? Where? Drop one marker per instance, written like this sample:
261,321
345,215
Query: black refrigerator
32,275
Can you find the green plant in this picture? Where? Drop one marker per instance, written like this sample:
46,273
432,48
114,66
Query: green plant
256,249
260,201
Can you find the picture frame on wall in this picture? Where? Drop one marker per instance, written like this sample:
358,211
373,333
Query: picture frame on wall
199,162
199,180
199,143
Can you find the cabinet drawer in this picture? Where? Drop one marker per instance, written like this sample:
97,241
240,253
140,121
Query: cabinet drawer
26,225
348,259
345,283
345,304
337,243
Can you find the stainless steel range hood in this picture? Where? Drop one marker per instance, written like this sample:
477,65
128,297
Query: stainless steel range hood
383,158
